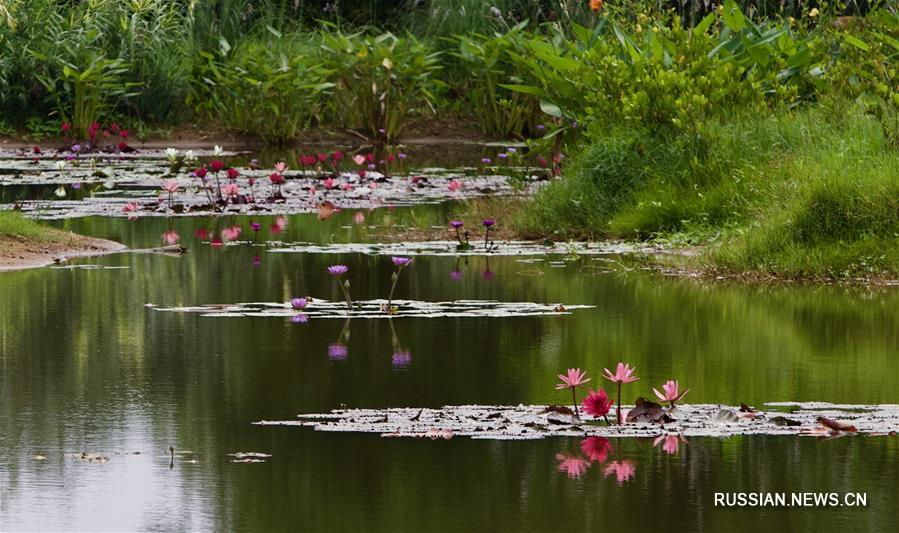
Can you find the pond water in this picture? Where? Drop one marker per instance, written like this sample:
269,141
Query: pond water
85,367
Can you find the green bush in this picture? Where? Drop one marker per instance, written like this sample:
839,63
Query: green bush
272,86
380,81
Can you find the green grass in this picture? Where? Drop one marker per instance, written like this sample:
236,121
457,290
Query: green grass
795,195
13,224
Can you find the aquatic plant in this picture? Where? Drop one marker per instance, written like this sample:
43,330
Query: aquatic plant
670,394
337,271
488,223
573,379
299,304
623,374
400,263
597,403
171,187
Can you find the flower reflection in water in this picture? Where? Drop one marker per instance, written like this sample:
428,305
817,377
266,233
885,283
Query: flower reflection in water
302,318
623,470
596,449
670,443
402,357
171,237
573,465
337,350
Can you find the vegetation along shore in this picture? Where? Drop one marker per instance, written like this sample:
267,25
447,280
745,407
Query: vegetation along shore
764,133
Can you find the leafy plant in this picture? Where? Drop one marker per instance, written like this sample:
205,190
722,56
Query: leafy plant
380,80
272,86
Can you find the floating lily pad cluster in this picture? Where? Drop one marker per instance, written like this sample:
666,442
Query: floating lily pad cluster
320,309
451,249
536,422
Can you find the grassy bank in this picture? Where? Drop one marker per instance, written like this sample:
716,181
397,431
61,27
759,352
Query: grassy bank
795,194
14,226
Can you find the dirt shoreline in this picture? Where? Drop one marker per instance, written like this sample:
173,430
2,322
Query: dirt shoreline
18,253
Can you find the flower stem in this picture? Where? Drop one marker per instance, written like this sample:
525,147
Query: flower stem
619,403
486,237
574,402
396,277
346,294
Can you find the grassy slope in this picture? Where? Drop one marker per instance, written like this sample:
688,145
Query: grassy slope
801,195
14,225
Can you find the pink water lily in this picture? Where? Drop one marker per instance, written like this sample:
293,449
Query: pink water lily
231,189
170,186
280,167
573,379
671,392
597,403
171,237
455,185
624,373
359,159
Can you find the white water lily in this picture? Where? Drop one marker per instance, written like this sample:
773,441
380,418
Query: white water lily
171,154
60,165
190,156
61,191
109,184
217,150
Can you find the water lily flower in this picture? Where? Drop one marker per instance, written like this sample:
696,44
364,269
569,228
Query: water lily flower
455,185
65,126
359,159
60,191
573,379
502,155
60,165
170,186
233,173
361,173
488,223
337,271
623,470
298,303
371,166
596,403
486,160
401,155
280,167
359,217
256,226
623,374
130,209
190,156
671,392
670,443
597,449
171,237
216,166
400,263
511,150
574,466
200,173
231,190
217,150
171,154
278,225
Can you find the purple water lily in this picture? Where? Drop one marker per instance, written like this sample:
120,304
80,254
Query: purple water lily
299,303
400,263
337,271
